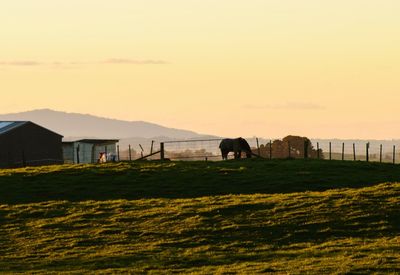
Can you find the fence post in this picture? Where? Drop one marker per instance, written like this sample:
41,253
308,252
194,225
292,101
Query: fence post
354,151
380,154
141,147
367,152
306,142
258,147
290,155
330,150
270,149
342,151
394,154
162,153
105,152
318,156
130,153
77,155
151,149
118,152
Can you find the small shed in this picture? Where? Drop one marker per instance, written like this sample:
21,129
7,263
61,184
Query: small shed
24,143
90,150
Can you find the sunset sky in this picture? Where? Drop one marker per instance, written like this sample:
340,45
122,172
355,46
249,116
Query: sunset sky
323,69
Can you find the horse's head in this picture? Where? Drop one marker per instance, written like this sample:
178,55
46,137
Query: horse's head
244,145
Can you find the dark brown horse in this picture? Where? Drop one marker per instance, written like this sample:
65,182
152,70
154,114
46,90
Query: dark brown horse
236,146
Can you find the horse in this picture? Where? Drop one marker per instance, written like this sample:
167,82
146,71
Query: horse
236,146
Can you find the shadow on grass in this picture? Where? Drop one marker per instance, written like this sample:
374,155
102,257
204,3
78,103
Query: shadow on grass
188,179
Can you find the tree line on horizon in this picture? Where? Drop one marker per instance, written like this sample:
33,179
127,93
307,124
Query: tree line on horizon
289,147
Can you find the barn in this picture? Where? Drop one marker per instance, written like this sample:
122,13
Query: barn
90,150
24,143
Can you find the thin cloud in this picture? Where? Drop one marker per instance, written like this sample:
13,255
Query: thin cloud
286,106
134,62
21,63
111,61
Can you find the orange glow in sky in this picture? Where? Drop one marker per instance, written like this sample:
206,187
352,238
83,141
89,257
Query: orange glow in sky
231,68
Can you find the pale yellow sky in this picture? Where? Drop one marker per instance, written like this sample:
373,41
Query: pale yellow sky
227,67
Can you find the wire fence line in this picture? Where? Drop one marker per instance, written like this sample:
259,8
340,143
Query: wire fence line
203,149
208,149
196,149
370,151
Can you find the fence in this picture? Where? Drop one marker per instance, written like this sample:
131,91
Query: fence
370,151
205,149
150,152
208,149
184,150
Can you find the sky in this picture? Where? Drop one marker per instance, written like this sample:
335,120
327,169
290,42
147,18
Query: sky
268,68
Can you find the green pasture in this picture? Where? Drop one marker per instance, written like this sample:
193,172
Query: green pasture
248,216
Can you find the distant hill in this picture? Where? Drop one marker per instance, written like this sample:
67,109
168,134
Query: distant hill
76,126
84,125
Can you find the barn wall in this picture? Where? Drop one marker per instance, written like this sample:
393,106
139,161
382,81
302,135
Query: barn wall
68,153
30,144
85,152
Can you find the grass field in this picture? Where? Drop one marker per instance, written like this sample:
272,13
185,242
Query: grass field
249,216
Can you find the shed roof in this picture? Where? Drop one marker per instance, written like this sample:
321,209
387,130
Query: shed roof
94,141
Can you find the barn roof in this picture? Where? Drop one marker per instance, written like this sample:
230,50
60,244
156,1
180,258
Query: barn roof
7,126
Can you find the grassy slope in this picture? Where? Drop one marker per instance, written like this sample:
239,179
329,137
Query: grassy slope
246,216
186,179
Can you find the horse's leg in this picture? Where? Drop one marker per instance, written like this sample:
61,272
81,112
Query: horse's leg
239,154
224,155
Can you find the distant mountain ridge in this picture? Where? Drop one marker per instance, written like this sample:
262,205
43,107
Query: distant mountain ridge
85,125
77,126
